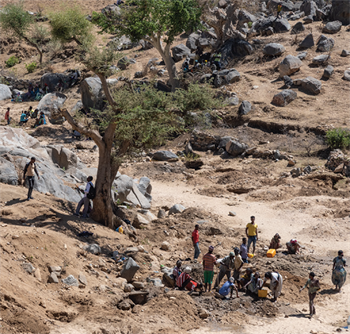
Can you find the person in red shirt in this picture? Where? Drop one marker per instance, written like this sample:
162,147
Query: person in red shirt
195,240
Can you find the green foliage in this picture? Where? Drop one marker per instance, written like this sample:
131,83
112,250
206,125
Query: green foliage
338,138
70,24
40,34
12,61
31,67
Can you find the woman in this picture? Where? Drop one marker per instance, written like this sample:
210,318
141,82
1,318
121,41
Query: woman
338,271
275,242
255,284
276,282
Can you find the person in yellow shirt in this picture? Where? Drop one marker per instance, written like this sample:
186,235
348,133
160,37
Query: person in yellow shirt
251,232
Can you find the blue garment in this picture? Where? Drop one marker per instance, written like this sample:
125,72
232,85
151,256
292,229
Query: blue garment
196,250
23,117
225,289
251,240
42,120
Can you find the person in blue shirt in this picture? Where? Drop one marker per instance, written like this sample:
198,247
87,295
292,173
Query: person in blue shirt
41,120
23,118
227,288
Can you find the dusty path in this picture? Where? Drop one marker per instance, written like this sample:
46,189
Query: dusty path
332,313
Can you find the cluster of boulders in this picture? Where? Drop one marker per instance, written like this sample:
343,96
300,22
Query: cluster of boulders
338,162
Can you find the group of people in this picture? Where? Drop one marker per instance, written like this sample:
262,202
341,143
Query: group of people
34,93
30,113
213,61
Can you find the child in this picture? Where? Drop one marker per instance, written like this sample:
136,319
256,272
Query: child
313,286
244,250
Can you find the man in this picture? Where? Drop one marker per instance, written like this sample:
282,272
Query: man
251,232
313,285
244,250
23,118
238,265
226,265
293,246
227,288
208,266
195,240
255,284
279,10
85,200
177,270
217,60
276,282
275,242
29,170
7,116
247,277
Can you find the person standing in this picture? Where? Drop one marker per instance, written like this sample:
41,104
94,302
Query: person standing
313,286
338,271
28,175
279,10
7,116
251,232
195,240
226,265
208,266
238,265
244,250
276,282
86,199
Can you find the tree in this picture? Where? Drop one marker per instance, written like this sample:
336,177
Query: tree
21,25
156,21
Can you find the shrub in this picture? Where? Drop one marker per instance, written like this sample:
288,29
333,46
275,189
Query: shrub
338,138
12,61
31,67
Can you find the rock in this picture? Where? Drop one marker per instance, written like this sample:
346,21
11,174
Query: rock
28,267
235,148
128,288
82,279
122,43
298,28
93,249
161,213
268,31
5,92
204,314
245,17
232,214
180,51
165,246
145,187
165,156
92,95
233,48
194,164
129,270
232,76
70,280
346,75
145,45
320,60
137,198
309,8
311,85
328,71
232,101
308,19
291,163
52,80
325,44
157,282
289,65
177,208
8,173
54,269
332,27
123,63
295,172
139,297
139,220
345,53
76,107
138,285
191,42
51,103
53,278
126,305
283,98
244,108
308,42
273,49
340,11
339,169
281,25
63,157
302,55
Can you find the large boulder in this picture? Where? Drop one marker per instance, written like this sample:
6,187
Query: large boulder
307,42
332,27
325,44
225,77
64,157
8,173
289,65
273,49
92,94
311,85
298,28
341,11
283,98
235,47
5,92
179,51
235,148
53,79
51,103
165,156
309,7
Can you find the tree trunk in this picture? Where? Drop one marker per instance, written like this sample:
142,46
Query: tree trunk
36,46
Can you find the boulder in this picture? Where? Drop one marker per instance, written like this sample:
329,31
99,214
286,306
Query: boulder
235,148
161,213
341,11
346,75
165,246
307,42
283,98
139,220
65,158
332,27
345,53
128,288
273,49
233,48
28,267
302,55
298,28
232,101
53,278
5,92
122,43
129,270
8,173
192,40
51,103
244,108
76,107
309,8
289,65
145,187
82,279
311,85
93,249
70,280
328,71
225,77
53,79
320,60
325,44
177,208
123,63
281,26
92,93
180,51
122,185
165,156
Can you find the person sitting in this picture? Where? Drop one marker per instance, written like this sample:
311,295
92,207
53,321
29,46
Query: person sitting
184,281
275,242
41,120
293,246
227,288
255,284
243,281
177,270
34,114
23,118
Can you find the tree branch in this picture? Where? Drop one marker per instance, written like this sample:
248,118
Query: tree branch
107,91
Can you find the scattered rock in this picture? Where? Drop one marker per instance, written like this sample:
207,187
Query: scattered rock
93,249
194,164
138,285
129,270
123,63
283,98
325,44
307,42
235,148
244,108
82,279
165,246
5,92
139,297
177,208
37,274
311,85
128,288
289,65
273,49
161,213
70,280
328,71
346,75
139,220
345,53
232,214
165,156
302,55
126,304
28,267
320,60
332,27
204,314
180,51
53,278
298,28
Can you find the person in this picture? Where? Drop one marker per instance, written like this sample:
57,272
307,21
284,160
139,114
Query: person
255,284
177,270
46,89
184,278
279,10
245,279
276,282
208,266
7,116
85,200
338,271
251,232
217,60
227,288
244,250
28,175
195,240
293,246
226,265
238,265
41,120
275,242
23,118
193,286
30,112
313,286
34,113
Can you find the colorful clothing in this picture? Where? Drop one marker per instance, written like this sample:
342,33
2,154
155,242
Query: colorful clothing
182,279
195,236
252,229
176,273
191,285
226,288
208,276
313,285
208,261
255,284
339,272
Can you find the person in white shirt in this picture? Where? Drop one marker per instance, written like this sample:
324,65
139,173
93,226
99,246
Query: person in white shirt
85,200
276,282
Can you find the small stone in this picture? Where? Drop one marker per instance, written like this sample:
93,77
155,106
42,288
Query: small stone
53,278
128,288
161,213
37,274
177,208
70,280
15,237
28,267
204,314
244,108
57,269
291,163
165,246
232,214
82,279
328,71
345,53
138,285
93,249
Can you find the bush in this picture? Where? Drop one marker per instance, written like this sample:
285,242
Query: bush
12,61
31,67
338,138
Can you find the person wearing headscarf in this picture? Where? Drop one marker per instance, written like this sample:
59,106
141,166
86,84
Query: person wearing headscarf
293,246
338,270
177,270
275,242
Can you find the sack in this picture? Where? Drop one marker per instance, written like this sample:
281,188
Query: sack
92,192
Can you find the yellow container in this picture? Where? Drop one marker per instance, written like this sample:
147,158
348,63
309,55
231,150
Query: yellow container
262,293
250,255
271,253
